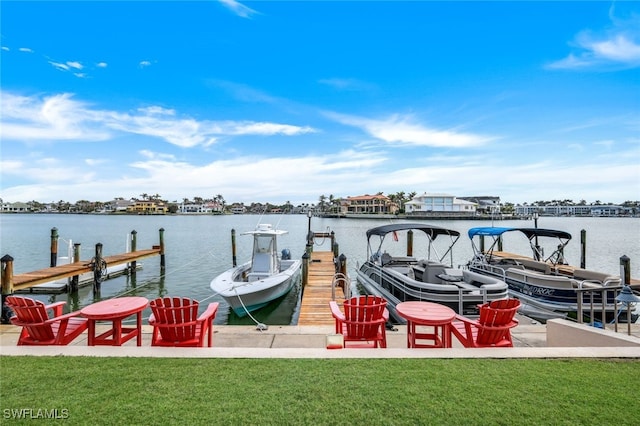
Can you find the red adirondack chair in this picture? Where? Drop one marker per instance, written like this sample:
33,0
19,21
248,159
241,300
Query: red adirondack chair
363,322
493,327
176,322
40,329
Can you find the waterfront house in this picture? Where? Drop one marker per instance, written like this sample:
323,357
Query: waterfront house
148,207
439,203
375,204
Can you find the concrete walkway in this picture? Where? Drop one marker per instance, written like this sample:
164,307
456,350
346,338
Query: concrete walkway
310,342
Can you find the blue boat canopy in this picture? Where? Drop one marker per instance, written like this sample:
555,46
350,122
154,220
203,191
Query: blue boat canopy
529,232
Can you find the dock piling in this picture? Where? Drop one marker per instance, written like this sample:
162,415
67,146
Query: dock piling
583,248
54,247
7,285
305,268
76,259
97,268
162,260
233,248
625,270
133,266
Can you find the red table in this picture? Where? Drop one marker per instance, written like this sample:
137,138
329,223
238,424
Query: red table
427,314
115,310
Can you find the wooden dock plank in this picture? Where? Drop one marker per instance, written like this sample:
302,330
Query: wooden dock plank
314,308
29,279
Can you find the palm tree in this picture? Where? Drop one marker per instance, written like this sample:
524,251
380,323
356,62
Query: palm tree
220,199
321,202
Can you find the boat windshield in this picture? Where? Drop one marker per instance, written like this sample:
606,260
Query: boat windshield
263,244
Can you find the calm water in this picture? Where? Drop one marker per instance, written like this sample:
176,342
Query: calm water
199,247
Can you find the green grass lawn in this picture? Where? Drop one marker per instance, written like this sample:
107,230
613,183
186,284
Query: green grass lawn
139,391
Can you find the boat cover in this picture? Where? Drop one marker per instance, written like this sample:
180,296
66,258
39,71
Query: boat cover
529,232
431,231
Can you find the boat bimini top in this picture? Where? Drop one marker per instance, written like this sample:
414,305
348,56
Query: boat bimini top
531,233
432,232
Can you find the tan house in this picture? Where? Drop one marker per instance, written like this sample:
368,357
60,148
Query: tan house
148,207
372,204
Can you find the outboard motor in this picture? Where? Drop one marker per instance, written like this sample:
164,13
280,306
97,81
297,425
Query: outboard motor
286,254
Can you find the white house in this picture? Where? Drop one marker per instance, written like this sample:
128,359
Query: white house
439,203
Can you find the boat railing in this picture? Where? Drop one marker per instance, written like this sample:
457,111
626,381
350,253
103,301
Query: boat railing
464,296
591,292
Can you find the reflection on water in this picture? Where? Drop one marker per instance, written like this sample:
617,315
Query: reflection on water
199,247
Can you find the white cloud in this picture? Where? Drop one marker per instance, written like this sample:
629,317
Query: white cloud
616,47
25,49
60,66
402,130
75,65
238,8
101,65
144,64
56,117
4,48
251,128
60,117
344,173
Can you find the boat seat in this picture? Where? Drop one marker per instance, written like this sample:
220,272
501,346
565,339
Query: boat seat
601,277
537,278
261,264
255,276
535,265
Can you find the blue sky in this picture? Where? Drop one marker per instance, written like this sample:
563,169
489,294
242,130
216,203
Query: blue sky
286,101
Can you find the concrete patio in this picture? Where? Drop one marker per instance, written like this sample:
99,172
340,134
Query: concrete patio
530,341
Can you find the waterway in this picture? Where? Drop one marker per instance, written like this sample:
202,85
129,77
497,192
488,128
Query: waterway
198,247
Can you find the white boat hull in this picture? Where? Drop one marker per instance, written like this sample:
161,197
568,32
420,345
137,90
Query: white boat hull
245,296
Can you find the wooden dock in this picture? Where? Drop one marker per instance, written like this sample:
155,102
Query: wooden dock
314,308
30,279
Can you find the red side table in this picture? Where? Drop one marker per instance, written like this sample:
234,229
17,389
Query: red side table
427,314
115,310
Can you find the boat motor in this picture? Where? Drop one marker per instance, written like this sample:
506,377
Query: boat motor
286,254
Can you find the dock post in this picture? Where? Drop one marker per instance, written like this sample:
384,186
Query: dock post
481,243
625,270
162,262
133,266
97,269
54,247
334,245
234,260
583,248
76,259
410,243
342,264
7,285
305,268
500,243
